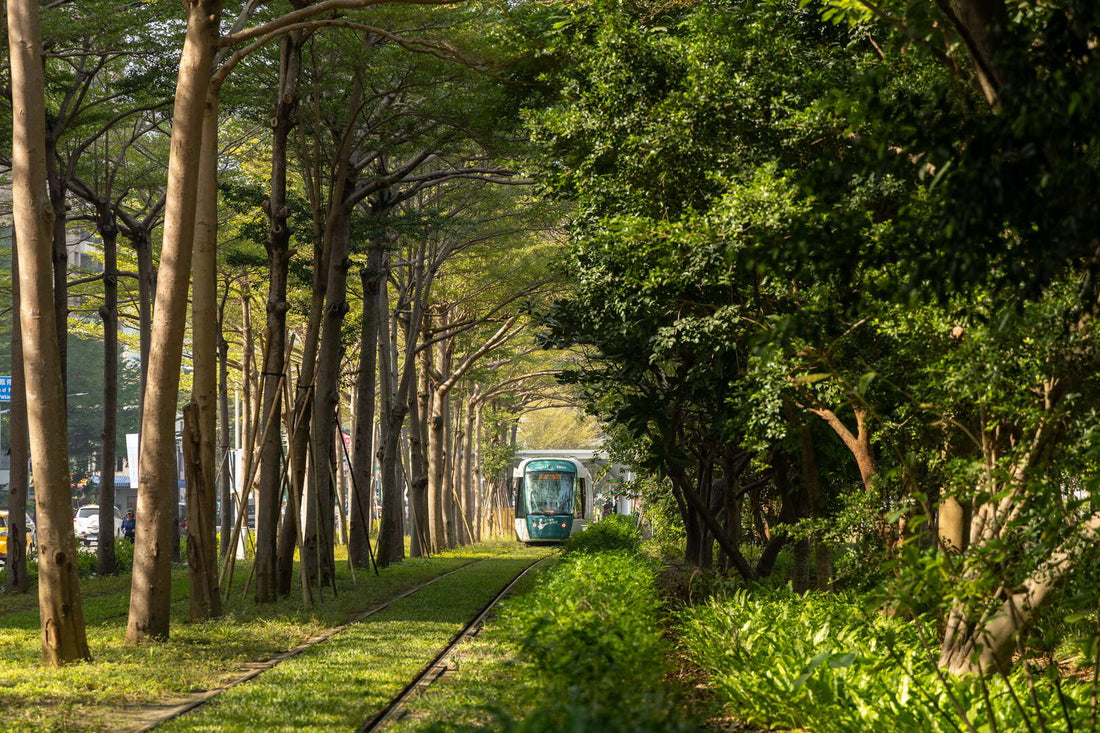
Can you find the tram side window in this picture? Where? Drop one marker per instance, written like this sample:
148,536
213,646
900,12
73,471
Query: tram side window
549,493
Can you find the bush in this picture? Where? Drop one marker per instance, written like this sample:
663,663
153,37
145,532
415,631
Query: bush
593,649
822,663
615,532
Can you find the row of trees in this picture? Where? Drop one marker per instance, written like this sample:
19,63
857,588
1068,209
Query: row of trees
837,285
344,144
832,277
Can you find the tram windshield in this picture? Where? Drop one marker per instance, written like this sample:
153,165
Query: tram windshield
550,492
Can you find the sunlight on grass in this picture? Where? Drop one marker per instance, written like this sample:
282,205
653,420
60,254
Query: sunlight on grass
198,656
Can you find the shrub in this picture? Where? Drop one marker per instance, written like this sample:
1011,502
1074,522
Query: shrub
615,532
590,638
820,662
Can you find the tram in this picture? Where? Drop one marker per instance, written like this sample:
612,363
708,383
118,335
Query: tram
553,499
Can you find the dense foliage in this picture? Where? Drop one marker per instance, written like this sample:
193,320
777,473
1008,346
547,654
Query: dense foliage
830,282
826,663
592,648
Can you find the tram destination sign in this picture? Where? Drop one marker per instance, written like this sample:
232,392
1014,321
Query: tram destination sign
5,388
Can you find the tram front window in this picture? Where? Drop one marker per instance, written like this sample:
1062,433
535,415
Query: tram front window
549,493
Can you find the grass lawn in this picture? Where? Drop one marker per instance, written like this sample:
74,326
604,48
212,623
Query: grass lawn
198,656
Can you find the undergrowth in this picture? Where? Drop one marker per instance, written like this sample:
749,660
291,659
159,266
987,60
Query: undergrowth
592,645
822,663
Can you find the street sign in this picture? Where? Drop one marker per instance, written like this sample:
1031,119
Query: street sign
5,389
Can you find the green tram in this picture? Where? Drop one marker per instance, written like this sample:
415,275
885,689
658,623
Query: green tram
553,499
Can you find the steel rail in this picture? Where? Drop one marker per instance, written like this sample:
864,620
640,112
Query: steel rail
205,697
435,668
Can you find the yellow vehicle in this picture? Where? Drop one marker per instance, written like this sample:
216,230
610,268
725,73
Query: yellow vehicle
4,533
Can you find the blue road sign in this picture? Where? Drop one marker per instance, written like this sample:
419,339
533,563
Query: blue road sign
5,389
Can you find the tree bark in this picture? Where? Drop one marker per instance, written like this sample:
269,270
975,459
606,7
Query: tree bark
201,551
225,479
201,540
60,608
391,545
320,517
420,509
362,457
105,546
16,579
150,594
278,252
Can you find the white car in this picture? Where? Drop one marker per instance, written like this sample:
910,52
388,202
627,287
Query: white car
86,524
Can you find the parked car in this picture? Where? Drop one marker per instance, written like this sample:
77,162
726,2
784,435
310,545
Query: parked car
86,524
4,533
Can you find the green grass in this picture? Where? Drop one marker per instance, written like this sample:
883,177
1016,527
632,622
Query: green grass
198,656
580,649
484,687
340,684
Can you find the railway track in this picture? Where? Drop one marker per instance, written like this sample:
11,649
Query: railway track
435,669
385,712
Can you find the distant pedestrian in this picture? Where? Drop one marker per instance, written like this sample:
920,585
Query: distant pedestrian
608,508
128,525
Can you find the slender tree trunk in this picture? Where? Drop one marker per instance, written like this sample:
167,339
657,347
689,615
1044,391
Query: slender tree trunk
150,594
60,609
419,507
202,543
859,443
320,516
246,427
811,479
362,457
225,478
147,285
201,550
57,190
303,400
16,579
105,546
391,542
278,252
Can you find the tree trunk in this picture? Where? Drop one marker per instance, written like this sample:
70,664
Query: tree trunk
985,643
952,524
150,594
419,506
225,479
320,517
979,22
391,543
105,546
303,399
61,612
201,539
436,466
270,491
858,443
811,479
59,237
16,579
201,551
147,285
362,457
